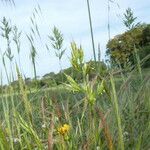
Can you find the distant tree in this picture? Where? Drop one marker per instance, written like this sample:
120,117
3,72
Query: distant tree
121,48
49,75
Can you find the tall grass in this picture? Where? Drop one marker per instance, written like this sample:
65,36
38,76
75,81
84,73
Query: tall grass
91,29
105,112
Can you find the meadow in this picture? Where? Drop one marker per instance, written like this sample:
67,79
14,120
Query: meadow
109,109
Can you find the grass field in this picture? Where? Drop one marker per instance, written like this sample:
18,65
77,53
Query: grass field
119,118
96,105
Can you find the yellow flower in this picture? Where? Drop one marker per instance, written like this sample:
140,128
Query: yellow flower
67,127
64,129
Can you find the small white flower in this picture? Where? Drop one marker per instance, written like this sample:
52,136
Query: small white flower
16,140
44,125
126,136
125,133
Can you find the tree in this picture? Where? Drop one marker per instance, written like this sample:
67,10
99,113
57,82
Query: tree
124,49
121,48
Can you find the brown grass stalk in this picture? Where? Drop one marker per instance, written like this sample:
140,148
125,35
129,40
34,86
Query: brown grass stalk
103,124
50,134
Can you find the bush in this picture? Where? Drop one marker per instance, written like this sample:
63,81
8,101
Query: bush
121,49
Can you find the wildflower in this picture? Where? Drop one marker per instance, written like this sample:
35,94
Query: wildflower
126,136
63,130
43,125
16,140
98,148
120,42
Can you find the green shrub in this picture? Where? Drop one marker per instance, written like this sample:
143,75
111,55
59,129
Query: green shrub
121,49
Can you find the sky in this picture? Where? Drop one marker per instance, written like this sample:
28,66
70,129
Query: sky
71,18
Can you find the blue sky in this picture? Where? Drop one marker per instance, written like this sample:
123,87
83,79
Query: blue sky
71,17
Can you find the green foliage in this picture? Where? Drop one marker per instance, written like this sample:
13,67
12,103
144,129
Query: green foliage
16,38
77,56
121,48
33,54
143,53
57,42
129,19
52,80
102,110
126,49
146,35
6,31
107,112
